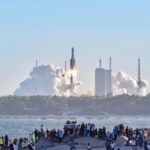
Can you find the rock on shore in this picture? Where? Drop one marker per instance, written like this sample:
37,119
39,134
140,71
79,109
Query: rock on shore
45,144
97,144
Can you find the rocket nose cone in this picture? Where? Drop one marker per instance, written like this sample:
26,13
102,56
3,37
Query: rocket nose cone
72,53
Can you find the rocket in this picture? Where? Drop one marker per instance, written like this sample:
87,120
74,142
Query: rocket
71,80
72,60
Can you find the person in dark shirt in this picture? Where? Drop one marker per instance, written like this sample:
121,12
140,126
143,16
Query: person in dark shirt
6,141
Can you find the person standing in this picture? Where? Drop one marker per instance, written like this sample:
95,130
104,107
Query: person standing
1,143
112,145
89,147
6,141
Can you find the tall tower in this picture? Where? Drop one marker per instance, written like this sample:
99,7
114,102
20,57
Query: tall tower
36,63
100,63
109,78
110,66
139,77
72,60
103,80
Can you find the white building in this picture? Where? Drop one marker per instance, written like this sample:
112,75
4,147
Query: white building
103,81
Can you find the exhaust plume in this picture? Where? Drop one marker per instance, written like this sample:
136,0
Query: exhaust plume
49,80
125,84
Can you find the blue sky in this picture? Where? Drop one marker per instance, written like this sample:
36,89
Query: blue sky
47,29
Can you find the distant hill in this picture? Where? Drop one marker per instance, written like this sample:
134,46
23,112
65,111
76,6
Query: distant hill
46,105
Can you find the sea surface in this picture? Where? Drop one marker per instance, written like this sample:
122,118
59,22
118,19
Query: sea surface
21,126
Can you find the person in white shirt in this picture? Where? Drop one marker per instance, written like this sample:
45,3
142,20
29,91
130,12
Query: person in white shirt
88,129
133,143
113,145
89,147
148,146
15,146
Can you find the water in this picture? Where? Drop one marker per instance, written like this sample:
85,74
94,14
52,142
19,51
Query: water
21,126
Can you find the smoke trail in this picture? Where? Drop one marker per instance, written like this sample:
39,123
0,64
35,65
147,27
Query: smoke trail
51,80
125,84
48,80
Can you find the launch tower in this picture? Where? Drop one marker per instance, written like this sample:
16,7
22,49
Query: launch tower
103,80
139,82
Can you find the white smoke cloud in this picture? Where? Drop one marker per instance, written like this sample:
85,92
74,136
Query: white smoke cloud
51,80
48,80
125,84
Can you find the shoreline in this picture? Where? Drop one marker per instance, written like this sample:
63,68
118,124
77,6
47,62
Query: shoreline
73,106
72,116
78,136
24,125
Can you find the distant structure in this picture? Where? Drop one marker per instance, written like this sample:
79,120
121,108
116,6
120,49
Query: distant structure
36,64
103,80
139,82
65,65
71,81
72,60
72,73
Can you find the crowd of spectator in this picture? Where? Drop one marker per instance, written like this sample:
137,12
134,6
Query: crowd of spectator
133,137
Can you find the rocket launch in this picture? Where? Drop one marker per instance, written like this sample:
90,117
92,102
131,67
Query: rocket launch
72,60
73,75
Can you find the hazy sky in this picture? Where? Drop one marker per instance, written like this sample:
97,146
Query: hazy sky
47,29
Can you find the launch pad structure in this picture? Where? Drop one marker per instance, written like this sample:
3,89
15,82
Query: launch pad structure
139,82
103,80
